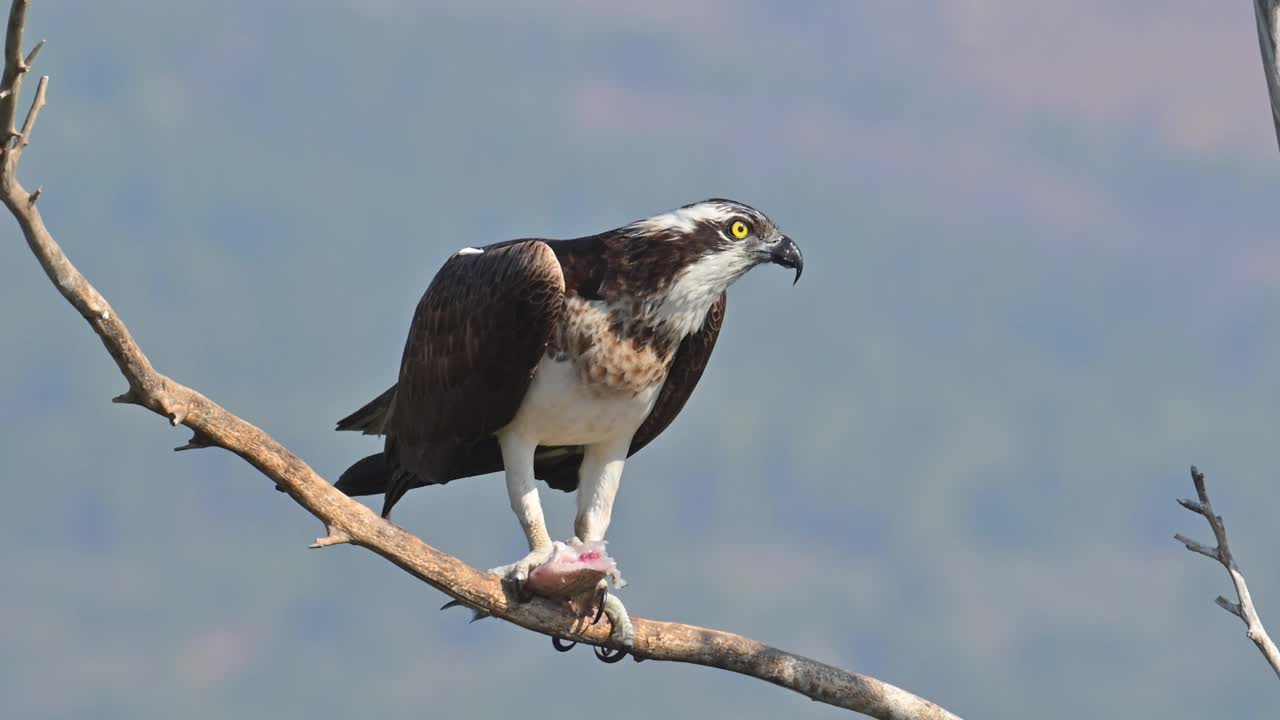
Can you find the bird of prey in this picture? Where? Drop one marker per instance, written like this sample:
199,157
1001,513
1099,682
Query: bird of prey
1267,15
556,360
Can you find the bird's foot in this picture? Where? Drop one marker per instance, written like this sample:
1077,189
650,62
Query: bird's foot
516,574
601,603
623,633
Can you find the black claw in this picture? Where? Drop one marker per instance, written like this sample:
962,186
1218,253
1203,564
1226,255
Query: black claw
517,590
563,645
609,655
522,593
600,598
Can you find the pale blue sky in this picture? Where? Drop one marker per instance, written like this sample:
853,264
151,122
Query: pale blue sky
1041,281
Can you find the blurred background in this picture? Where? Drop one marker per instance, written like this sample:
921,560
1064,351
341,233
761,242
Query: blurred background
1042,280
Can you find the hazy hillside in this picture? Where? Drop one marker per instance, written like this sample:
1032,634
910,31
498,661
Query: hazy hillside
1042,279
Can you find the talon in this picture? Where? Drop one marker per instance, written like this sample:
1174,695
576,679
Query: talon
475,614
609,655
602,594
624,632
517,585
562,645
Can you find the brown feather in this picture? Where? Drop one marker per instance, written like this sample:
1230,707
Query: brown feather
371,418
477,335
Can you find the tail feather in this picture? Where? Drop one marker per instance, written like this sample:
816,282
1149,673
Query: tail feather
374,475
369,476
400,483
370,419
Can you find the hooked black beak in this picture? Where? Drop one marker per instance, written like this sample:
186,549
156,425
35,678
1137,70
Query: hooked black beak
787,254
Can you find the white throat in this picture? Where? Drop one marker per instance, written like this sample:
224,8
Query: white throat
684,305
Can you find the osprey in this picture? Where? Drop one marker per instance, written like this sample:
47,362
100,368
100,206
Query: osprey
556,360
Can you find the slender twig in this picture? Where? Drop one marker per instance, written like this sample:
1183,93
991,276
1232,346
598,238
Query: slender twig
31,56
348,521
1222,553
24,135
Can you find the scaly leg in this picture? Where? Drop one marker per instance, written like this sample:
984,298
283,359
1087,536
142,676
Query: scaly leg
517,456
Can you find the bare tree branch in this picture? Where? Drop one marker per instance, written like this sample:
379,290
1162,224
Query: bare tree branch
348,521
1267,15
15,66
1222,553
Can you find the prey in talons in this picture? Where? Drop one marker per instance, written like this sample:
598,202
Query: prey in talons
581,574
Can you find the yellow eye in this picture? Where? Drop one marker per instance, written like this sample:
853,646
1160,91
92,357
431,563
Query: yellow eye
739,229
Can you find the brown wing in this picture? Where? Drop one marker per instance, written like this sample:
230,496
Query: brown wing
371,418
686,369
582,263
477,335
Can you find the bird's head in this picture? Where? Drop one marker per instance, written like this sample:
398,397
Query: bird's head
722,239
702,249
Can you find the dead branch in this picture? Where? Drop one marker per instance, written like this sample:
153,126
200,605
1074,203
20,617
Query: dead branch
1222,553
1266,14
347,521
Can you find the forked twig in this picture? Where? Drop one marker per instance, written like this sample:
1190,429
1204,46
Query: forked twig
1222,553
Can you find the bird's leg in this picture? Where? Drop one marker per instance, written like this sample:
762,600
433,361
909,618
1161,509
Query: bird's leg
598,481
517,456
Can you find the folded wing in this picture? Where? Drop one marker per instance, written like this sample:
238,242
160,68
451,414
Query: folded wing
477,335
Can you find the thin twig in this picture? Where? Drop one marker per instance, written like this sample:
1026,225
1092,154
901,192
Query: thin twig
31,56
348,521
1222,553
24,135
333,536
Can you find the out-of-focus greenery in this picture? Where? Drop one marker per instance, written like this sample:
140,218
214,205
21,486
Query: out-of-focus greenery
1042,280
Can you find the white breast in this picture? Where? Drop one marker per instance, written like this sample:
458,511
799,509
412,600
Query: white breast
560,409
